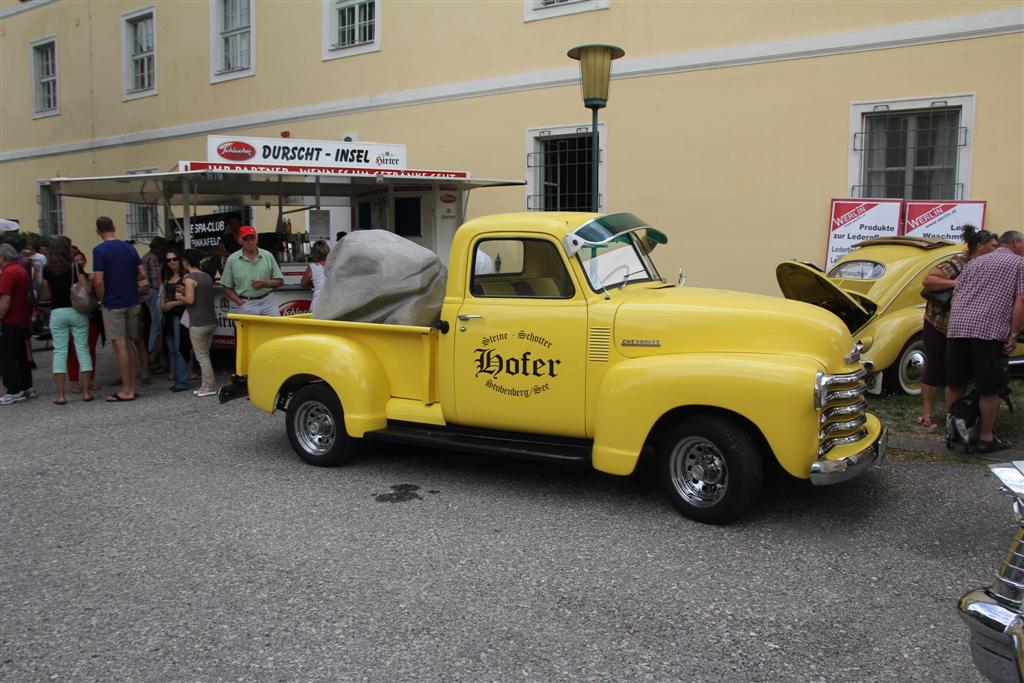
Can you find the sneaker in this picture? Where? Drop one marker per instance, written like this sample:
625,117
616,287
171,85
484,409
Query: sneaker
205,392
31,393
8,399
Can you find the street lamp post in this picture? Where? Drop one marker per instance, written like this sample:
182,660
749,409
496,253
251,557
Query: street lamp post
595,73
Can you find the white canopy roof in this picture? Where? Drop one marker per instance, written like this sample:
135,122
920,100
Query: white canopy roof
247,186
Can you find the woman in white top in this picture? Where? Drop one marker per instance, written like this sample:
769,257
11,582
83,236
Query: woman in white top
314,275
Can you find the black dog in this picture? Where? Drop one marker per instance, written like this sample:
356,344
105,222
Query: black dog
964,418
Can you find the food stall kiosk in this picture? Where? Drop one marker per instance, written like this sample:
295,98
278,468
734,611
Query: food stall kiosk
333,186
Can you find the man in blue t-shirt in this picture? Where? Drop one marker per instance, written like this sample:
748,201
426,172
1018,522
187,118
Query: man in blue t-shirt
117,270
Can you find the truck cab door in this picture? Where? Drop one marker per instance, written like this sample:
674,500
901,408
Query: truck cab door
520,341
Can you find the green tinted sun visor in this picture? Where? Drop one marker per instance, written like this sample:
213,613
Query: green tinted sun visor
614,226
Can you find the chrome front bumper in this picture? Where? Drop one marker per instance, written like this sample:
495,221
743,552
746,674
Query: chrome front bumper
996,636
824,472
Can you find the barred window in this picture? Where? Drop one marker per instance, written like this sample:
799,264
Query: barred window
546,9
51,211
911,154
141,54
562,169
143,220
44,77
235,35
355,22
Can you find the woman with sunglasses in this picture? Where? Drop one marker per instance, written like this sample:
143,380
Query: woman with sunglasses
172,274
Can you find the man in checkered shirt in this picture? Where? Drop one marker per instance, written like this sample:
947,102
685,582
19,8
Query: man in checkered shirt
985,319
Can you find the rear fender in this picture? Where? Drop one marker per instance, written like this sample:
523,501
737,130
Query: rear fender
773,393
351,369
889,334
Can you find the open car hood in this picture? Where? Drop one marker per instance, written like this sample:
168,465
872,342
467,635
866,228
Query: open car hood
802,282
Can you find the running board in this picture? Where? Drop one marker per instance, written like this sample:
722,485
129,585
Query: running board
505,444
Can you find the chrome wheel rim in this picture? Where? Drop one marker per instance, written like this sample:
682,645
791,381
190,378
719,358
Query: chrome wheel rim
912,368
699,473
315,428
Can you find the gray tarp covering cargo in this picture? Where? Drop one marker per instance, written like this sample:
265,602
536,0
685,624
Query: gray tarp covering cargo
375,276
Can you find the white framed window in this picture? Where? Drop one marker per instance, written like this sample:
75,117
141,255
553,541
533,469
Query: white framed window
51,210
350,27
45,100
545,9
232,39
143,220
138,40
916,148
559,168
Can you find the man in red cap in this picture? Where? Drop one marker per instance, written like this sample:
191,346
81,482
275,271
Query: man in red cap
250,274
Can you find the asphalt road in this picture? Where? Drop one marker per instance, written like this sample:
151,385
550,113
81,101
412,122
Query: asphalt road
173,538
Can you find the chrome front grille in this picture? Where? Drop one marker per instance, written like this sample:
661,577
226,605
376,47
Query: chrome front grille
841,401
1009,586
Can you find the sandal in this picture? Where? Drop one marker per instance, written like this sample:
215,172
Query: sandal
927,423
996,444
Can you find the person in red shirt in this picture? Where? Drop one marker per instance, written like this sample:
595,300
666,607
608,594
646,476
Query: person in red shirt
15,322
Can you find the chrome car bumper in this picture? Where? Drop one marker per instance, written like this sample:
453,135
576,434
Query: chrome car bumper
996,636
825,471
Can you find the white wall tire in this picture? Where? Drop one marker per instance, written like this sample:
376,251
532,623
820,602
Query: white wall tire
906,373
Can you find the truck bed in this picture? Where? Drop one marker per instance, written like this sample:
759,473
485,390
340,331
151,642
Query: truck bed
407,353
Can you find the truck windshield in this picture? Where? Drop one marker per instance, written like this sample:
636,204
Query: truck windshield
615,250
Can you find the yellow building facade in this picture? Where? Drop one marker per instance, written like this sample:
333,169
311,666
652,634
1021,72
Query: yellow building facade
730,126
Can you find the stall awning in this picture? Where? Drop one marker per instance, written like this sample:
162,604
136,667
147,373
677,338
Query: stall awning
201,183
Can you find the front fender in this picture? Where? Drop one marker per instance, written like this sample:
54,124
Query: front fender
351,369
775,393
889,335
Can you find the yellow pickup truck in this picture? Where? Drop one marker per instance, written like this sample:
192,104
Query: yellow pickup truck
559,341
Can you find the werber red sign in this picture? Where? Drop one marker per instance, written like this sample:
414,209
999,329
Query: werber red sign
942,220
849,211
855,220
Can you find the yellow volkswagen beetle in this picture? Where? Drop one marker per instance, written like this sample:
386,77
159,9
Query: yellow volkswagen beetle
876,291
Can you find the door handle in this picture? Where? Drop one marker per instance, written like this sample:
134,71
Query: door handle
469,316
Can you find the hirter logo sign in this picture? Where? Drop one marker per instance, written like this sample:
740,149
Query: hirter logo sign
236,151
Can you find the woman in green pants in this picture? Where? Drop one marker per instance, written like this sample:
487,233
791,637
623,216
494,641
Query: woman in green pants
58,275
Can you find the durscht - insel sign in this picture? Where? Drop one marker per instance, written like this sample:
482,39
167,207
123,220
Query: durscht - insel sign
855,220
244,149
942,220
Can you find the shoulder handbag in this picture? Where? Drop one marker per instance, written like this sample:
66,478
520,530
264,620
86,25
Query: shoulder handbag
82,300
941,299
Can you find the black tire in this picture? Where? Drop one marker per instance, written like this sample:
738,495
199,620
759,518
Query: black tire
710,467
316,427
906,373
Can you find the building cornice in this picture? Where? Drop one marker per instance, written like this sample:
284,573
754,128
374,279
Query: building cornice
902,35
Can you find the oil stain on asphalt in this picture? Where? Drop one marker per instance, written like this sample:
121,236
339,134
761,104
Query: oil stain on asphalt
400,493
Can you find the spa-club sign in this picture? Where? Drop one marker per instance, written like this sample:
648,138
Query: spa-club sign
855,220
243,149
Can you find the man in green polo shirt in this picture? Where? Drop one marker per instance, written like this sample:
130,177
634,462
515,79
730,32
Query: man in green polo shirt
250,274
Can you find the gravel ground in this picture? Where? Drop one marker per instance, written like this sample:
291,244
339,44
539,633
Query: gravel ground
173,538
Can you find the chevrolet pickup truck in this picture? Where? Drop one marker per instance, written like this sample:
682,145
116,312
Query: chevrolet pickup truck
568,346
